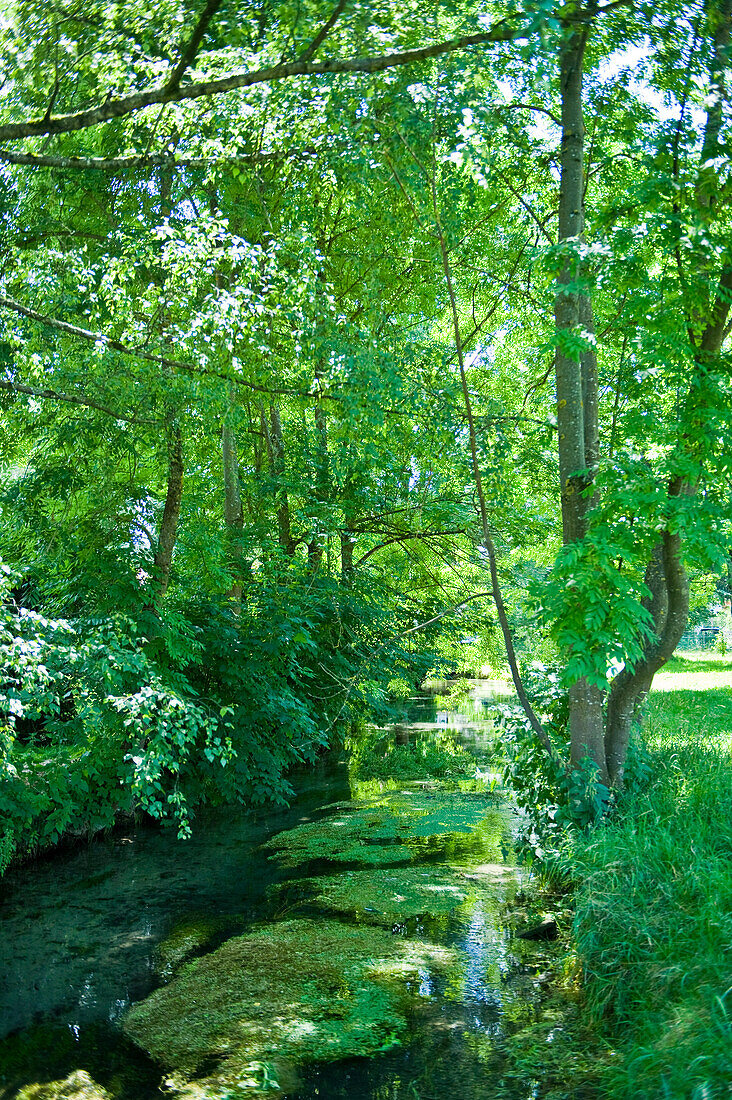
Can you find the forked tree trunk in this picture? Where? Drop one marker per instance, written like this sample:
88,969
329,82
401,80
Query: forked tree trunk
606,739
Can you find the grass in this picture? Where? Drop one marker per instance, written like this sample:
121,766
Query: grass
654,902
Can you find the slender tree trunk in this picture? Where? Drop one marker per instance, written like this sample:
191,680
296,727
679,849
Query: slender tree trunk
171,512
348,544
576,376
488,543
272,430
316,544
233,510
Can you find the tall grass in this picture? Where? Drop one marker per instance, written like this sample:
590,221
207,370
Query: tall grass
654,904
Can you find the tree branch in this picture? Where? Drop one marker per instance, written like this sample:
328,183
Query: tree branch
145,160
447,611
403,538
138,353
528,107
73,399
188,53
323,33
503,31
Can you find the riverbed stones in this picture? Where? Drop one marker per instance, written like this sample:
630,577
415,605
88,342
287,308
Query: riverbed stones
245,1016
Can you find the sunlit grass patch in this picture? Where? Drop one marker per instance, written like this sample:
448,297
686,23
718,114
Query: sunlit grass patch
695,671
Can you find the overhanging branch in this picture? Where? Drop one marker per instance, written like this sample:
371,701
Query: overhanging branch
504,31
73,399
102,339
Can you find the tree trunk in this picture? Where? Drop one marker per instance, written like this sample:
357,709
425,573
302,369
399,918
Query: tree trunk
576,377
169,523
272,430
171,510
666,576
233,510
348,543
321,484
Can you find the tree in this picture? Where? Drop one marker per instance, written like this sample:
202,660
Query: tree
299,388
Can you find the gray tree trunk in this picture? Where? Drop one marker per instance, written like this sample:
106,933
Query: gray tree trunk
233,510
576,376
171,512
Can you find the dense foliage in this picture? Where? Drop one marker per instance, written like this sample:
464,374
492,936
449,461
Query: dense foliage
282,291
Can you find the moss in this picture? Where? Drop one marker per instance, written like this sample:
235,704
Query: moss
295,992
77,1086
389,896
395,828
188,937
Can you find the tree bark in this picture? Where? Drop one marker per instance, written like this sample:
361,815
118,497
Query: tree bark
576,376
316,544
171,512
174,494
666,576
348,544
272,430
233,510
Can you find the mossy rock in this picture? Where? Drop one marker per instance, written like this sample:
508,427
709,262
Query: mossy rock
396,828
77,1086
264,1003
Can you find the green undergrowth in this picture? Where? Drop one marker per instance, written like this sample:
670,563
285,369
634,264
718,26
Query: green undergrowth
654,905
238,1022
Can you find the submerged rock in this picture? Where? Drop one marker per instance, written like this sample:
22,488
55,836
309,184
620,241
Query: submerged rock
77,1086
264,1003
547,930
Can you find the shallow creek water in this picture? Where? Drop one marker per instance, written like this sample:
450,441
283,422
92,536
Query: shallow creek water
84,935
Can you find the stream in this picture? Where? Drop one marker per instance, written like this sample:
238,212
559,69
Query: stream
88,932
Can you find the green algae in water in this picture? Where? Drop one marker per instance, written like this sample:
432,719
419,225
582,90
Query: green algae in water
77,1086
187,938
296,992
395,828
389,896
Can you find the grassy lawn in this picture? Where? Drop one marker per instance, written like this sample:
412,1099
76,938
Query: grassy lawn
654,898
